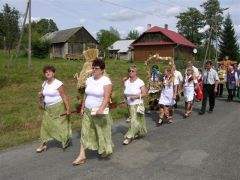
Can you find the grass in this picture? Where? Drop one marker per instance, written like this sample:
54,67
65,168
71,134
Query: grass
20,118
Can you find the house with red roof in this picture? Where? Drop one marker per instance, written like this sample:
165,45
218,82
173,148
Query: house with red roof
162,41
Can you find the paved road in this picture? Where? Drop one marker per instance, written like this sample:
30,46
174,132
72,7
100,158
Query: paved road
199,148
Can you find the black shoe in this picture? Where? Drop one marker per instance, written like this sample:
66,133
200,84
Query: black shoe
201,113
210,111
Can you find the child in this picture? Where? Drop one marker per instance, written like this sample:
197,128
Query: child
189,84
168,96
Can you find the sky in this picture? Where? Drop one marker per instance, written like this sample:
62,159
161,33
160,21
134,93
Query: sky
123,15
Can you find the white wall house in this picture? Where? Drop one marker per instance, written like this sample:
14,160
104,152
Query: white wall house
121,49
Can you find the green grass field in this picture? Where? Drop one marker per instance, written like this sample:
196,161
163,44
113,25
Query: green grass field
20,118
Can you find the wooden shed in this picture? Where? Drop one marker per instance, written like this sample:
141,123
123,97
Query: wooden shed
70,43
162,41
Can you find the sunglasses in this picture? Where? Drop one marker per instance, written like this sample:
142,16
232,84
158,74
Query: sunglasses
95,68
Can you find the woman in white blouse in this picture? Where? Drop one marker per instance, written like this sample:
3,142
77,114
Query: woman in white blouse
134,92
189,84
96,121
53,125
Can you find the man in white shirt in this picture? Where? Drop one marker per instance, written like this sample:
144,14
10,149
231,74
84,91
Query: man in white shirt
210,84
179,78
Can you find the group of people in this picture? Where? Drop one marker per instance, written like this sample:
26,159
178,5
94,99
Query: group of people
96,119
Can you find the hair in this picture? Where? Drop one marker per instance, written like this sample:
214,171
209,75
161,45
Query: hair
209,62
132,67
99,62
171,79
49,68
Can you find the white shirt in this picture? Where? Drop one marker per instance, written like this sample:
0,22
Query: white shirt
51,92
210,77
236,77
95,91
191,83
133,89
178,75
195,71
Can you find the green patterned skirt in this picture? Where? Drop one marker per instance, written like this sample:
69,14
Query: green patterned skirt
55,126
96,133
137,125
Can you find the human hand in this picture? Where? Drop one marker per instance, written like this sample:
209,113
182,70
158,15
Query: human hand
68,111
132,98
99,112
215,89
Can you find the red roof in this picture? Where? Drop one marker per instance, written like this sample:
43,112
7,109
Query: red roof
175,37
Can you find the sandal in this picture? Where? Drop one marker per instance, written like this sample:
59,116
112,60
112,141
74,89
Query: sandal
127,141
170,121
80,162
186,115
42,148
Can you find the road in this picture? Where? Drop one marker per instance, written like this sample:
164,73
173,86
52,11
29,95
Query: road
202,147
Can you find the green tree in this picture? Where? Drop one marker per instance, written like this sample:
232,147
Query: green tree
228,41
134,34
9,20
114,31
189,23
106,38
44,26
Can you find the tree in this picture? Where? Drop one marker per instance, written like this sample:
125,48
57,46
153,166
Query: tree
134,34
9,29
44,26
189,23
106,38
114,31
228,41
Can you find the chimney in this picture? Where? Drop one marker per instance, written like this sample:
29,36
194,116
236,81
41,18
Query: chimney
149,26
166,26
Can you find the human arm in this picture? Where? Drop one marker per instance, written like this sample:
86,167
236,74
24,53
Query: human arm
65,99
107,94
143,93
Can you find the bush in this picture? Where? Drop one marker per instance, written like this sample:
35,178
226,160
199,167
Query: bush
40,49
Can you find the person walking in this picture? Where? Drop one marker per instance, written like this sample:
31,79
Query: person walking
134,92
210,84
189,84
168,96
232,83
55,103
96,121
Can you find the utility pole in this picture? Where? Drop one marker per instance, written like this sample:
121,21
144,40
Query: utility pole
29,35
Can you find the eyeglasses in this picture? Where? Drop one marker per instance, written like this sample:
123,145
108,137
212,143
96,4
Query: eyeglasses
95,68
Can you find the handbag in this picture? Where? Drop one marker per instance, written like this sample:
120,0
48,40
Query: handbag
140,107
94,111
41,98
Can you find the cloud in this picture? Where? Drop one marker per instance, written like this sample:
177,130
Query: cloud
81,21
122,15
173,11
140,29
204,29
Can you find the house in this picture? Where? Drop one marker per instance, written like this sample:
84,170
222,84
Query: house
162,41
121,50
70,43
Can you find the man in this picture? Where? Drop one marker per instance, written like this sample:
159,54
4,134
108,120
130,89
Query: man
210,84
179,77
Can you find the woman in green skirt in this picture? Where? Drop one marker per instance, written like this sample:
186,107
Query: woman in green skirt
96,121
134,91
55,103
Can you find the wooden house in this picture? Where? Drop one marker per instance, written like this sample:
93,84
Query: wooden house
121,49
70,43
162,41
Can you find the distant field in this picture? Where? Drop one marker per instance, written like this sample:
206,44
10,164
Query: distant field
20,117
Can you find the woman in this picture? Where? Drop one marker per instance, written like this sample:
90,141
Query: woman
199,88
96,121
189,84
134,91
168,96
231,80
56,103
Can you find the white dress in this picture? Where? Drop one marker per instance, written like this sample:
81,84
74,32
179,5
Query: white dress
166,97
189,88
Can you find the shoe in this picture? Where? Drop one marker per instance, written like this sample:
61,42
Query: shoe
67,144
41,149
170,121
80,162
186,115
210,111
160,122
201,113
128,120
127,141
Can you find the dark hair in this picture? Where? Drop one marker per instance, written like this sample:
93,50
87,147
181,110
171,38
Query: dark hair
99,62
49,67
209,62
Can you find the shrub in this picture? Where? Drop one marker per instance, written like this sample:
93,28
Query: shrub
40,49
